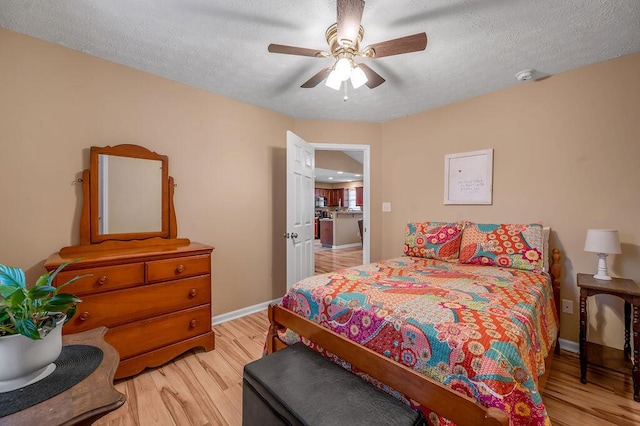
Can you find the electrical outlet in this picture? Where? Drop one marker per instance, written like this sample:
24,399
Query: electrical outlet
386,207
567,306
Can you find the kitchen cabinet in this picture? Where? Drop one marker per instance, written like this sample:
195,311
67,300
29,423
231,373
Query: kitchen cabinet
332,201
322,192
337,197
359,195
326,232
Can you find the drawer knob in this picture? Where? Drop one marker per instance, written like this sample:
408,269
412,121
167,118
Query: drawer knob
180,269
102,280
192,324
193,292
84,316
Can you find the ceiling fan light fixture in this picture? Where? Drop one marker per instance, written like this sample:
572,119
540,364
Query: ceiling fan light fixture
343,69
333,81
358,77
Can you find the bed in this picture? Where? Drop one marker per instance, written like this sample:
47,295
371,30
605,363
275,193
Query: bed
459,327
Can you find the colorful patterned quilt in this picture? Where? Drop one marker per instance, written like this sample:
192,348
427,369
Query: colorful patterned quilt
481,330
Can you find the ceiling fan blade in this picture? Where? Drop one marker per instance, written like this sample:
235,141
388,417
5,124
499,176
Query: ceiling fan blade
412,43
373,78
291,50
316,79
349,18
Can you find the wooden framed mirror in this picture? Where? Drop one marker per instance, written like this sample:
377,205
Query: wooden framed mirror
129,194
128,200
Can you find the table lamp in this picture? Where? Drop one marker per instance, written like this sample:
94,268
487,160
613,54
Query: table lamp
603,242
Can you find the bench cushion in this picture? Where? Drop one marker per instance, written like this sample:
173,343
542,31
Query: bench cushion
298,386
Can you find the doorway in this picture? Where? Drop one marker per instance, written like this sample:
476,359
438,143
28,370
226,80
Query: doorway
346,214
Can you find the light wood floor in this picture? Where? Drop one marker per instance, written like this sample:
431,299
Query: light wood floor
328,260
205,388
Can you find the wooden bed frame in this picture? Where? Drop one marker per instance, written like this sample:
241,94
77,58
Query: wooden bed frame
452,405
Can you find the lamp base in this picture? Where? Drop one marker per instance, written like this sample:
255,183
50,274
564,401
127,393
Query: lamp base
602,277
602,273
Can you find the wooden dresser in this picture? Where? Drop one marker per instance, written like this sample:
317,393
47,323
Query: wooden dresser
155,301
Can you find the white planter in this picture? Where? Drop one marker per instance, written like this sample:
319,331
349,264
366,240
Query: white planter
25,361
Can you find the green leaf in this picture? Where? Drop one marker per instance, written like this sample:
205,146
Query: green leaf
72,280
70,313
60,268
44,279
7,290
27,328
12,276
16,298
62,299
41,292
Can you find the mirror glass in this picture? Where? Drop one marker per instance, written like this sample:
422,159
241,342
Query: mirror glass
129,195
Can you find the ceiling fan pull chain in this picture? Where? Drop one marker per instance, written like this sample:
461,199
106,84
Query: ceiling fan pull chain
346,95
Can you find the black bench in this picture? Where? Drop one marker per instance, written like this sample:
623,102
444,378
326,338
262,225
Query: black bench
298,386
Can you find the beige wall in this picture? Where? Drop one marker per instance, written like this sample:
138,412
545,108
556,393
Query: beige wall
337,160
345,132
56,103
566,152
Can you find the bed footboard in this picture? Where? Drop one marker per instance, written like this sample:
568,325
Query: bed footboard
456,407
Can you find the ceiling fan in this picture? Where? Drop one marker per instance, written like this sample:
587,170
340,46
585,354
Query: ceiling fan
344,38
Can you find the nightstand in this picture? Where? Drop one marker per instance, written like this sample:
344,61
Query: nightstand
83,403
628,291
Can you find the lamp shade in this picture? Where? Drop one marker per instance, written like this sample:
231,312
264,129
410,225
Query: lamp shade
333,81
358,77
602,241
342,69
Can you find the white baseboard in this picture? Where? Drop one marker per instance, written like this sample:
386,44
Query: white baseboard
569,345
218,319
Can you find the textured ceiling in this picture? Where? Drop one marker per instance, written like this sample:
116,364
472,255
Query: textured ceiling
475,46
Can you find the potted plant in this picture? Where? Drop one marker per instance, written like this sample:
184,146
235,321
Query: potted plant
31,321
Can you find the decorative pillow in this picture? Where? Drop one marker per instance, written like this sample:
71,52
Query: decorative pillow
546,232
518,246
434,240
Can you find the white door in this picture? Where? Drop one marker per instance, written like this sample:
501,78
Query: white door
300,209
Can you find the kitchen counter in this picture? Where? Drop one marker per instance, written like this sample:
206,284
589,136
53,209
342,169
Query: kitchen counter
341,231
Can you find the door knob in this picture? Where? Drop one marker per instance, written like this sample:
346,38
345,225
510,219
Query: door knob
294,235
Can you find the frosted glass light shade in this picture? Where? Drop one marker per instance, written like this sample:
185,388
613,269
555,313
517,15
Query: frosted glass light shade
333,81
343,69
358,77
602,241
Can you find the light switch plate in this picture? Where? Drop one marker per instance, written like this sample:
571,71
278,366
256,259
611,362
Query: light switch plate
386,207
567,306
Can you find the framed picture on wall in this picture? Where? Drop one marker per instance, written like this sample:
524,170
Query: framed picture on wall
468,177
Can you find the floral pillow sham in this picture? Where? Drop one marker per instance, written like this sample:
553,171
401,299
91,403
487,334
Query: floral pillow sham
518,246
434,240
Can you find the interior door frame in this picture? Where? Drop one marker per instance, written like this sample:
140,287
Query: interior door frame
366,150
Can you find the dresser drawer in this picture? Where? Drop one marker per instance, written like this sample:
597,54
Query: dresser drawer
169,269
102,279
122,306
133,339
